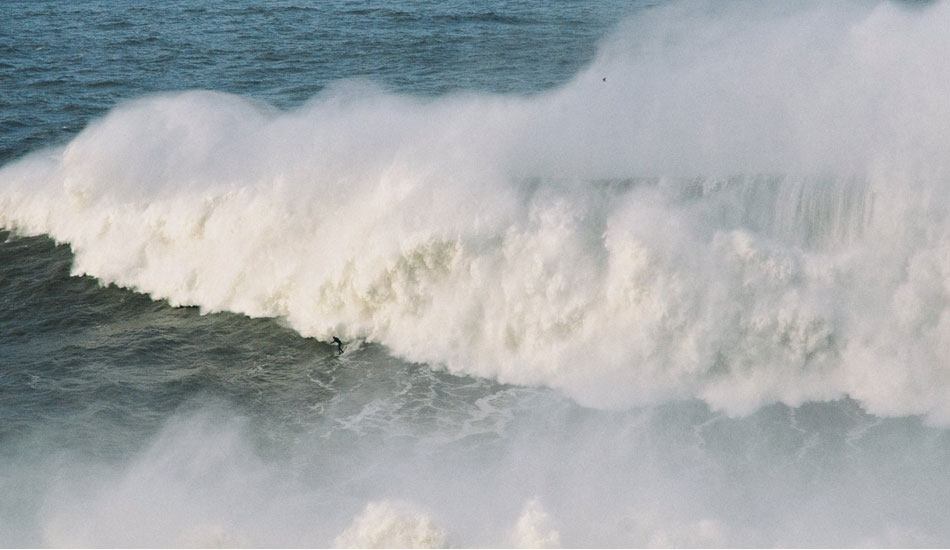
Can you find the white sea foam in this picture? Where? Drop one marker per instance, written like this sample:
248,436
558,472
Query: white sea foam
388,524
752,207
535,528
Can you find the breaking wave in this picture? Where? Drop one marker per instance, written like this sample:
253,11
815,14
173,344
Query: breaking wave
742,208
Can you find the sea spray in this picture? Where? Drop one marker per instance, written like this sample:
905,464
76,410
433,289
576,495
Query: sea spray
391,524
737,209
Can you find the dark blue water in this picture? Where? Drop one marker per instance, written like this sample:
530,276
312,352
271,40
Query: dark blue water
127,419
64,63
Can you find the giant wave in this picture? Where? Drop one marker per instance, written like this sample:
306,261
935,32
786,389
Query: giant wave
740,209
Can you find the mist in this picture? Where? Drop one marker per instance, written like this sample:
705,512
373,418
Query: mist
538,471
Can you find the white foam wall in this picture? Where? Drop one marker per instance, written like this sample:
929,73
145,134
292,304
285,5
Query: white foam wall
469,231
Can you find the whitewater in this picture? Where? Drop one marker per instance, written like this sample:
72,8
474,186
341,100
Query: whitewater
698,294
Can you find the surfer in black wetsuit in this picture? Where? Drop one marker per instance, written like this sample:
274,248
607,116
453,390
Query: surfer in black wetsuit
339,344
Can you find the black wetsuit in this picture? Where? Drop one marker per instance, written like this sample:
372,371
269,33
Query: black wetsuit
339,344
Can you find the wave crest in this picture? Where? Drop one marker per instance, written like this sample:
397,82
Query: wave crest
563,239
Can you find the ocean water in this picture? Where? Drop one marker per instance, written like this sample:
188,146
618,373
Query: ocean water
627,273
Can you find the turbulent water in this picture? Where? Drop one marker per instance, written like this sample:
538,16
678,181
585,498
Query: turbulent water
609,274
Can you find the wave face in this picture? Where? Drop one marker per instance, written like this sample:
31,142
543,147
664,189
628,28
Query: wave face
741,204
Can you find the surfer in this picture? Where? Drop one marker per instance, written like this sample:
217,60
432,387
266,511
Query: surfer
339,344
